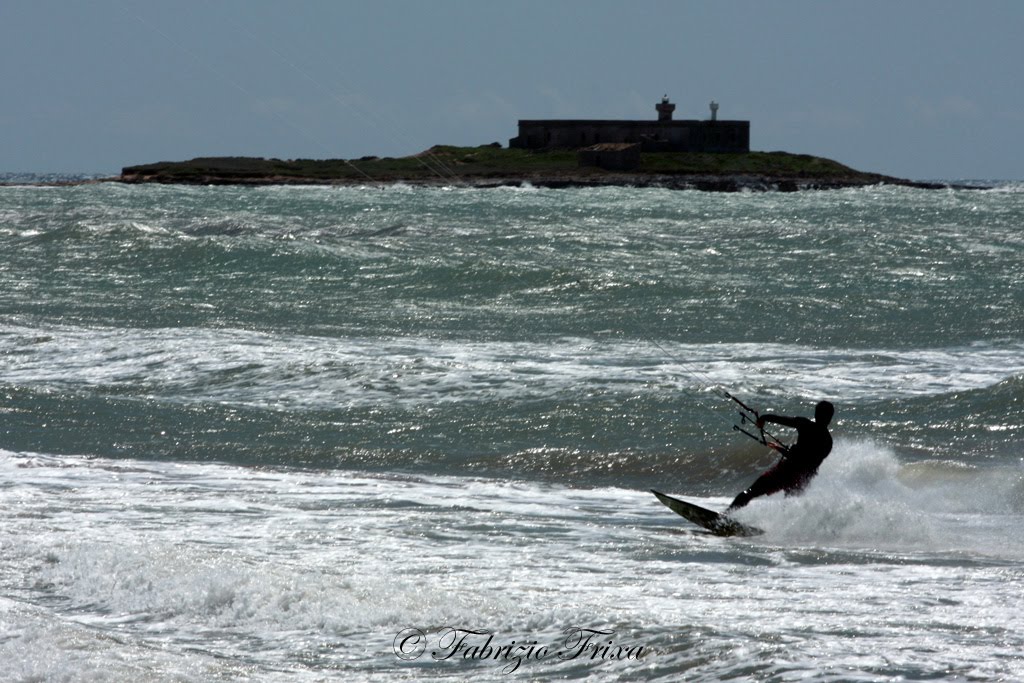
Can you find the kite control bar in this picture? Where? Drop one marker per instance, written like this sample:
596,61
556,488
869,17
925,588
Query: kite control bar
750,416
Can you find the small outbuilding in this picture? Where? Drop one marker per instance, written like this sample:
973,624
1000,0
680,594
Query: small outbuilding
611,156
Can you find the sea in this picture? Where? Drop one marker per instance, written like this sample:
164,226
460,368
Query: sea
405,433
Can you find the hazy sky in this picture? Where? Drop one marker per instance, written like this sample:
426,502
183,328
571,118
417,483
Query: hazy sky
920,89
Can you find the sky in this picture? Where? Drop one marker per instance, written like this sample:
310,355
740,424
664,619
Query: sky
920,89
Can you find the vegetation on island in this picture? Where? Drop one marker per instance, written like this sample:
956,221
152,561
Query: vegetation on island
493,164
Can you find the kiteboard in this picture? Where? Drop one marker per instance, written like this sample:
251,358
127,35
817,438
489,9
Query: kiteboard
716,523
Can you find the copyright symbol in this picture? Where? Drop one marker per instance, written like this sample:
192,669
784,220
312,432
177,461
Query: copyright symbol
410,643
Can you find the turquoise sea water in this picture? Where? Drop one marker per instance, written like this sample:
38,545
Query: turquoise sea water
256,433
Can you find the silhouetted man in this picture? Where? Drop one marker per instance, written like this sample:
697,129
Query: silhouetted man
799,462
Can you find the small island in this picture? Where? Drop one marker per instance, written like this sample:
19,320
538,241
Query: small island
710,154
494,166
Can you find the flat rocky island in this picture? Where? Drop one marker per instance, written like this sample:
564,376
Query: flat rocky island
492,166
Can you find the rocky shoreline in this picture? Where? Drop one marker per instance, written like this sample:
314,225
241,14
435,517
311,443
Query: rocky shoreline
702,182
489,166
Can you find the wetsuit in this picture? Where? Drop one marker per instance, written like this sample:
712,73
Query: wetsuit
799,462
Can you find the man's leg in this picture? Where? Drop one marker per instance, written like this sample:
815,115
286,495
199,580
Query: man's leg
767,484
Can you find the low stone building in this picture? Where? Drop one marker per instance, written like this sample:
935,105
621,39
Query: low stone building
662,135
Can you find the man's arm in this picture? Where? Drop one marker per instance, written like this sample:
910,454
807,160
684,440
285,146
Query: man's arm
802,425
794,422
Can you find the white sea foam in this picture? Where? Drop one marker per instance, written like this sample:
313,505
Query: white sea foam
192,571
271,370
865,498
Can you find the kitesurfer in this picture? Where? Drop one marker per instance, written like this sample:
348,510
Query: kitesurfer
799,462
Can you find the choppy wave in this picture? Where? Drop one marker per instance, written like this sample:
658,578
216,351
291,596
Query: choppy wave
315,373
601,409
253,433
8,178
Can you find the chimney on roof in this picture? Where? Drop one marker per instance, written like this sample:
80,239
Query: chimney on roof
665,109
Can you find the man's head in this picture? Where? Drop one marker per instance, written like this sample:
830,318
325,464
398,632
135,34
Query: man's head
823,412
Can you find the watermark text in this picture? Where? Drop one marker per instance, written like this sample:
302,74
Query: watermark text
577,643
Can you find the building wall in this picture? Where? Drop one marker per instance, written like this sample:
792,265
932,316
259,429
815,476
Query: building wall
654,136
610,156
